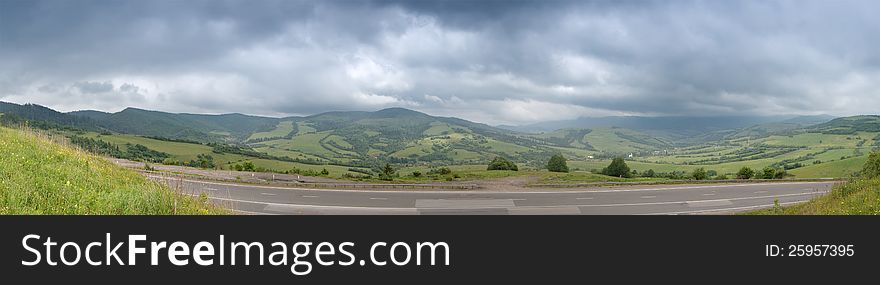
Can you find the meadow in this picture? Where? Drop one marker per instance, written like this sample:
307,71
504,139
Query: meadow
40,176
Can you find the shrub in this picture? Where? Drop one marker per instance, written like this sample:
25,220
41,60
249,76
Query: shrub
872,166
648,173
416,174
699,174
325,172
500,163
440,171
617,168
557,164
768,173
745,173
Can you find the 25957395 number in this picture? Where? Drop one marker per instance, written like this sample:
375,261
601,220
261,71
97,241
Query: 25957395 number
810,250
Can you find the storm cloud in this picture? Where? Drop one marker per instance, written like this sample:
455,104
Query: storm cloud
499,62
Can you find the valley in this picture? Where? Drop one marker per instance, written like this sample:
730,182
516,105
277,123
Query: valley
355,145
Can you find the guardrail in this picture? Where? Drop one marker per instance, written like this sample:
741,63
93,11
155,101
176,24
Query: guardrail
681,181
327,185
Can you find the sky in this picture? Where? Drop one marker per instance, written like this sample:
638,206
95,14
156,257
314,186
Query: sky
496,62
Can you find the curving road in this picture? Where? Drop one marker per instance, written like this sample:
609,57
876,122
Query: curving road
641,200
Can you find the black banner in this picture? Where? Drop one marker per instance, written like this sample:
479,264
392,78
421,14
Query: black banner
526,249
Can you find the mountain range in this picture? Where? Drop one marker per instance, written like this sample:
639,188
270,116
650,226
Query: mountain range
403,135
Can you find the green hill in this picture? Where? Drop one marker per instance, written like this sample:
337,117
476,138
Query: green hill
848,125
32,112
363,140
204,128
42,177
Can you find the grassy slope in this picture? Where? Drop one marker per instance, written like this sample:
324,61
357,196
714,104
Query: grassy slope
857,197
188,151
833,169
282,129
41,177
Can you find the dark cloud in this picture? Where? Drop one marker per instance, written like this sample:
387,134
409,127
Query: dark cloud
93,87
492,61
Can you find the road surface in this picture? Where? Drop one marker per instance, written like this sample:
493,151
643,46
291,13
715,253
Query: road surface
638,200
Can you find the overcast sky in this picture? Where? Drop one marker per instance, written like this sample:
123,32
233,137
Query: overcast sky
504,62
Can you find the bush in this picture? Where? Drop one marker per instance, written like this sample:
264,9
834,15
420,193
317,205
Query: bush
439,171
648,173
721,177
557,164
745,173
325,172
699,174
872,166
617,168
416,174
500,163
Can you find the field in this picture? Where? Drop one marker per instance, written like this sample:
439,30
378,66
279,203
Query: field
188,151
42,177
281,130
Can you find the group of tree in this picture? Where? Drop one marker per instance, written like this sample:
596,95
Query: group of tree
135,152
500,163
618,168
766,173
202,161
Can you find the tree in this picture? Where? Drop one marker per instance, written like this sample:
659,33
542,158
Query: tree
617,168
780,173
387,172
500,163
648,173
557,164
325,172
768,173
872,166
745,173
711,173
699,174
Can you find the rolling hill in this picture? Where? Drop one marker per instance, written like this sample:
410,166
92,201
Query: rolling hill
350,141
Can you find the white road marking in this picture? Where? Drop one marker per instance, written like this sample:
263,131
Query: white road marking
708,194
760,192
376,198
648,197
519,199
726,209
599,205
309,196
268,194
210,189
584,198
696,201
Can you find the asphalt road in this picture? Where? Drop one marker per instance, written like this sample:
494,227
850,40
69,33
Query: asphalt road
640,200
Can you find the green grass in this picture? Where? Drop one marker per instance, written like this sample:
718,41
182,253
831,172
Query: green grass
42,177
606,139
282,129
188,151
308,143
576,177
857,197
833,169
